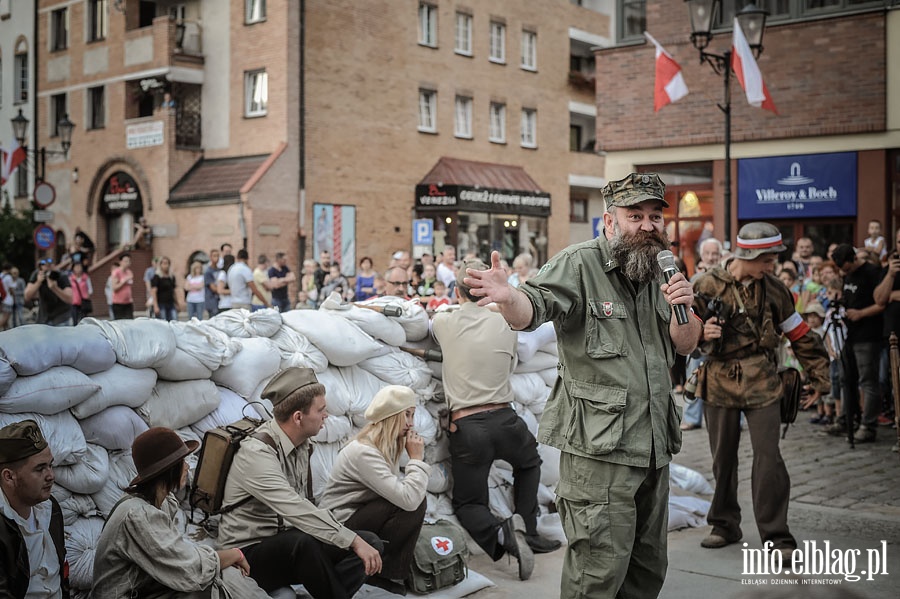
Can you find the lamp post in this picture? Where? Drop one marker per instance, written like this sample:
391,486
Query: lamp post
64,126
752,21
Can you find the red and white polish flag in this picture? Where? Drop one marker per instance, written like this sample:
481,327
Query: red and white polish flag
10,160
670,86
748,73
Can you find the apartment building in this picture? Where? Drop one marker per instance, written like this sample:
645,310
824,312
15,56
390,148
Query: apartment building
300,126
17,51
825,165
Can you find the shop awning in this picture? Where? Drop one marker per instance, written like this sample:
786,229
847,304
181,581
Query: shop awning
217,180
455,184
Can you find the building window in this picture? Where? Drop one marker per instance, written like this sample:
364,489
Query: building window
97,11
20,89
21,181
574,138
633,19
529,128
428,110
463,121
529,50
58,109
498,42
428,25
254,11
463,34
96,107
497,133
578,210
59,29
256,93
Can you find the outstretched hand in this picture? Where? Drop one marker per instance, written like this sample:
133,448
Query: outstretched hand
490,285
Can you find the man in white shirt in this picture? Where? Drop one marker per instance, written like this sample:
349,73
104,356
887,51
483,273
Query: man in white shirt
31,525
446,268
241,284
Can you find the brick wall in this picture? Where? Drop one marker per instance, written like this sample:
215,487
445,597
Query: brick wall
821,78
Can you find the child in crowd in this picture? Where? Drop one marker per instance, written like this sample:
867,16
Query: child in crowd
814,315
875,241
440,297
303,301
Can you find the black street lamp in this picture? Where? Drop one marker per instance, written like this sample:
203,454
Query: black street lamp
64,126
752,21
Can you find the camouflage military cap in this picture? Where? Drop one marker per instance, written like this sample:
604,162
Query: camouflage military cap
634,189
756,239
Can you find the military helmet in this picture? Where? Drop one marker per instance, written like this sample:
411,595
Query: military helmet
756,239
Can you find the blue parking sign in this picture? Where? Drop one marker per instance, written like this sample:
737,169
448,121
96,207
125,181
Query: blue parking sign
423,231
597,225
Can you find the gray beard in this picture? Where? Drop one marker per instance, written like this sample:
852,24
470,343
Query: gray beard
637,258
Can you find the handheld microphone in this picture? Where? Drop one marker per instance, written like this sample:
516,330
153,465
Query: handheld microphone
666,262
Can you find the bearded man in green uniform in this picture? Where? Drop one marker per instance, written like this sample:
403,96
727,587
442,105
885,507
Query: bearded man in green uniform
611,411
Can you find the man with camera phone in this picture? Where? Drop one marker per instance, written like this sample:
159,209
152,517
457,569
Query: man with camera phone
54,294
741,376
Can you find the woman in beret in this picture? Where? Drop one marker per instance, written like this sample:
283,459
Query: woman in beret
141,552
366,490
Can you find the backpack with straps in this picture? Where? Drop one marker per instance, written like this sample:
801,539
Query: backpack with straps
439,559
216,455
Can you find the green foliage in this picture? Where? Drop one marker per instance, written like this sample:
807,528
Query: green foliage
17,239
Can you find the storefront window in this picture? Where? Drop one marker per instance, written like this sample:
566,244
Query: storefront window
689,220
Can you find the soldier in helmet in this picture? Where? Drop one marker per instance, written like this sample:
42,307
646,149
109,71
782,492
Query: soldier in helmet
741,377
610,412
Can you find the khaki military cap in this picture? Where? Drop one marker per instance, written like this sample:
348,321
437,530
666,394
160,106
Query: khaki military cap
287,381
634,189
21,440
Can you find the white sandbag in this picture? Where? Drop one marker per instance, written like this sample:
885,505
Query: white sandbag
529,388
88,475
545,496
688,480
207,344
529,342
121,473
263,407
82,537
49,392
529,419
259,358
138,343
342,342
438,451
232,407
7,375
439,480
297,350
381,327
61,431
425,425
73,505
181,366
550,526
322,463
34,348
337,429
549,465
245,324
686,511
540,361
114,428
500,492
399,368
413,317
362,387
119,386
549,376
438,506
175,405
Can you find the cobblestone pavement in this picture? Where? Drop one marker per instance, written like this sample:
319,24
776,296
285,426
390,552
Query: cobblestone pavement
848,497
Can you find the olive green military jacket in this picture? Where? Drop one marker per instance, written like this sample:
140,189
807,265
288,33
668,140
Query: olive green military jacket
612,399
742,366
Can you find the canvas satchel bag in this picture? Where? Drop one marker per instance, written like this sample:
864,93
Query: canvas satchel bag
439,560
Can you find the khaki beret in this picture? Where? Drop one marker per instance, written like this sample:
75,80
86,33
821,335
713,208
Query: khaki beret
287,381
21,440
390,400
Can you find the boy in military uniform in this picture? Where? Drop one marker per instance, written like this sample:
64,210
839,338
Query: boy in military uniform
741,376
611,413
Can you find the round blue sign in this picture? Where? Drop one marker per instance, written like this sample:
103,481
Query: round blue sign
44,237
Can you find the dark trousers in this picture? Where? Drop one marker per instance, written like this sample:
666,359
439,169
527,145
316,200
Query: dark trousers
294,557
770,484
123,311
478,441
398,529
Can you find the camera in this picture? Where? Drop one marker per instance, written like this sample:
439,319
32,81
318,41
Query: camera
53,275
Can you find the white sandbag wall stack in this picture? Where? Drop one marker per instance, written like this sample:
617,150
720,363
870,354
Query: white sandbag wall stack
93,388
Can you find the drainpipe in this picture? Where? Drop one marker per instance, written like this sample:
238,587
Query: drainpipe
301,210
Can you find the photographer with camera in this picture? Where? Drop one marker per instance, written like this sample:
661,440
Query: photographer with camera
53,292
740,376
